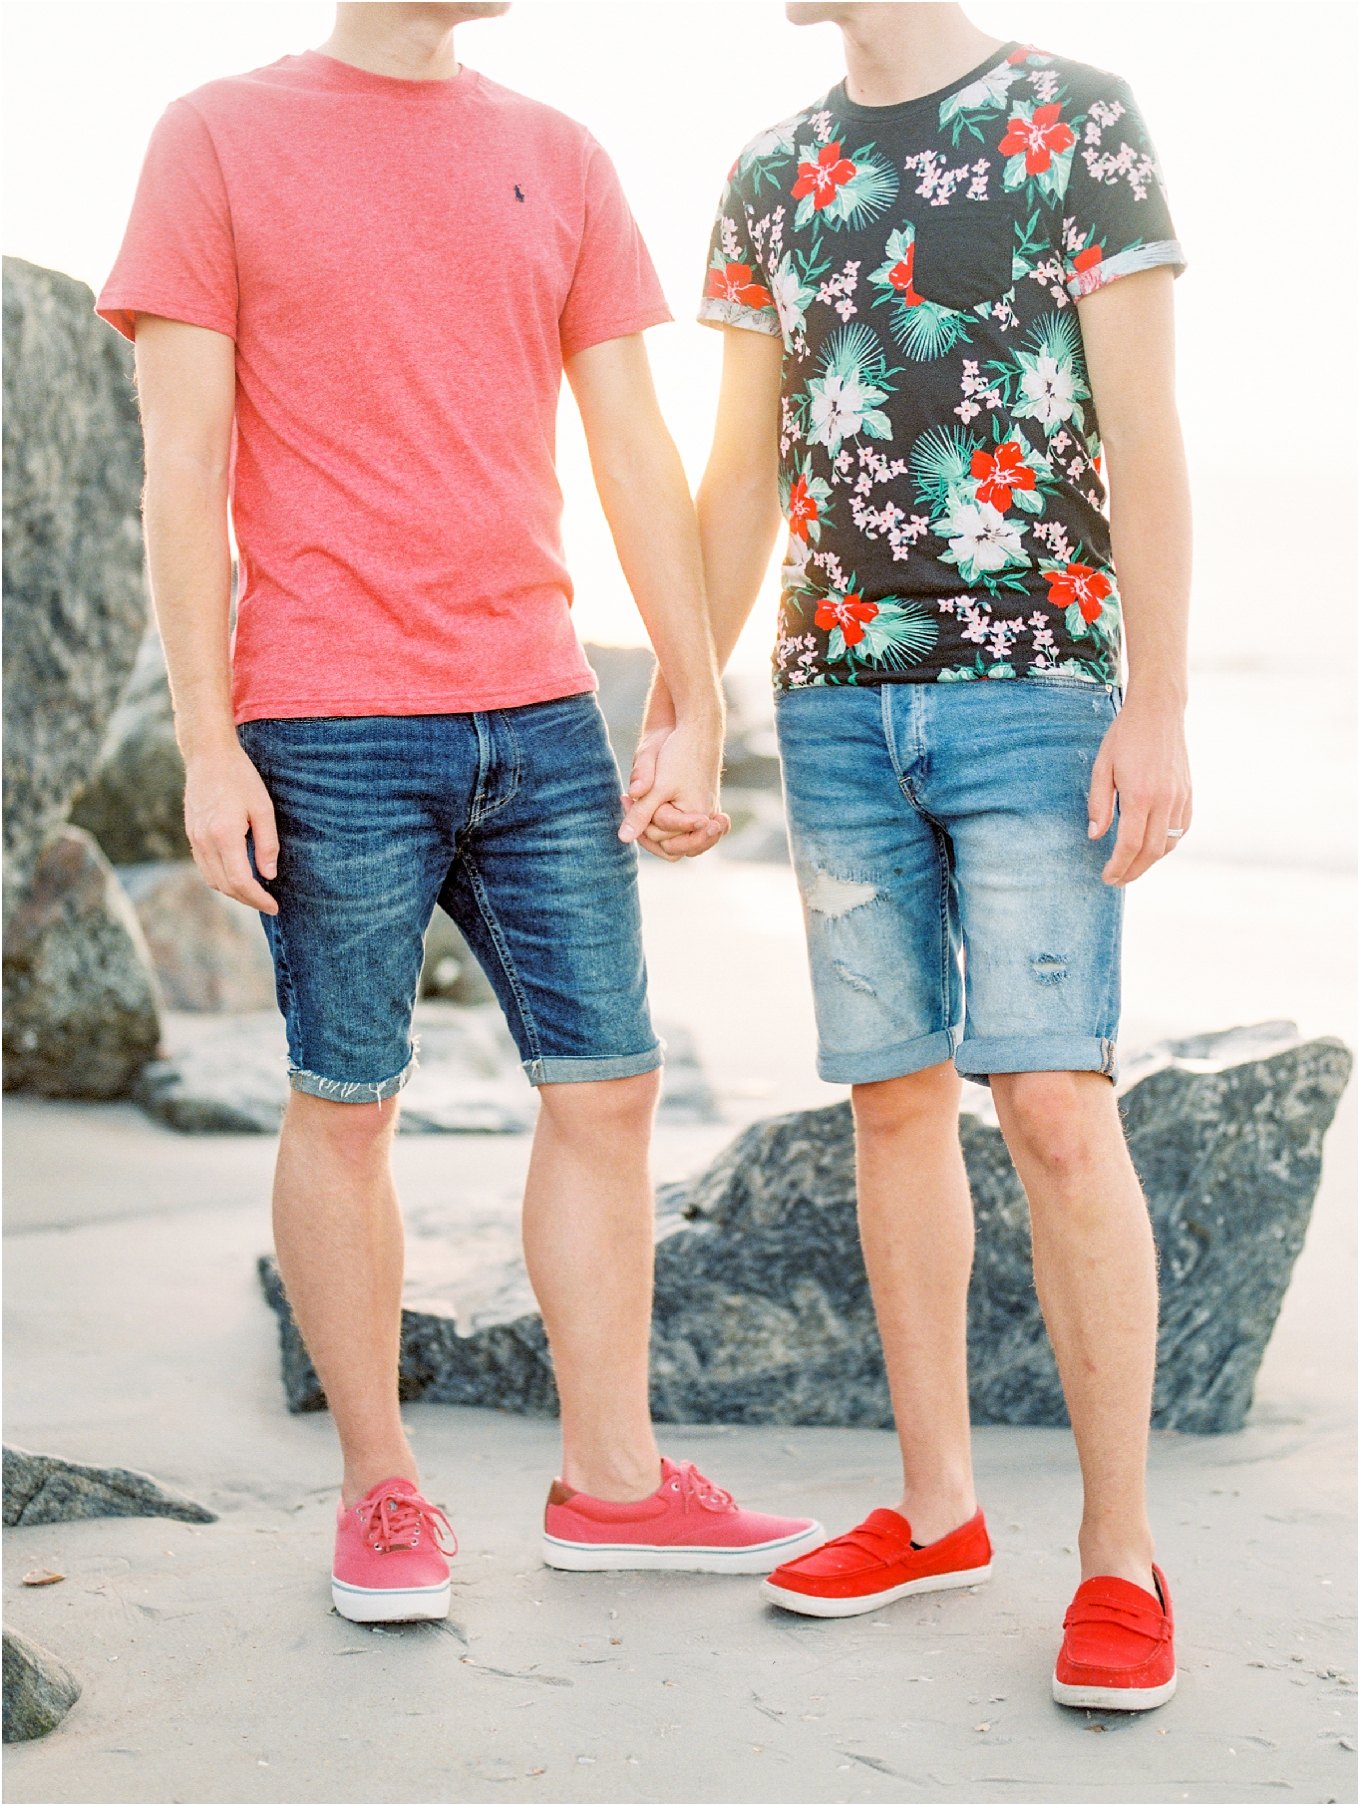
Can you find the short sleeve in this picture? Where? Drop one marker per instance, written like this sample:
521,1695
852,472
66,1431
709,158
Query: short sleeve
736,291
178,257
1117,218
615,290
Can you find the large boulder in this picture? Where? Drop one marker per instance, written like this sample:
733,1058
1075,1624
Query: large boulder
81,1014
228,1075
39,1689
133,803
763,1312
208,950
75,601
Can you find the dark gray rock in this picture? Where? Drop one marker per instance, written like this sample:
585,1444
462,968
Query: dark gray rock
763,1312
505,1364
75,603
81,1013
133,803
39,1689
43,1489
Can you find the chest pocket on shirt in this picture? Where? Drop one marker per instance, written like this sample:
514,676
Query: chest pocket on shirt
964,252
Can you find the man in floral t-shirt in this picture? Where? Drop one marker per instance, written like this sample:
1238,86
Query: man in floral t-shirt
946,295
939,451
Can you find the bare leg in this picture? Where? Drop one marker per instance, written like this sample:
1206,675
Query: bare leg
588,1245
916,1226
338,1234
1095,1271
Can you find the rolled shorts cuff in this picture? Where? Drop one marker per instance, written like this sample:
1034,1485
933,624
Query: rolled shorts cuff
557,1071
345,1091
896,1062
978,1058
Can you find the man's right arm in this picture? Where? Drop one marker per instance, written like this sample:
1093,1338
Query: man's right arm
186,383
739,518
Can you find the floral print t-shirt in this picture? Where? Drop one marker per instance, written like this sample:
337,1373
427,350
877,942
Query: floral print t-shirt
939,453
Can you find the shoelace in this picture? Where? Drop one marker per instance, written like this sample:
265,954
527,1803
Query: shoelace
394,1520
691,1484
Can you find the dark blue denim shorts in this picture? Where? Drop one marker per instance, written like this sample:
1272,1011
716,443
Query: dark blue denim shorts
509,821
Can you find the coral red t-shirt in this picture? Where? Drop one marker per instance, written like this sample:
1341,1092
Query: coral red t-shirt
403,267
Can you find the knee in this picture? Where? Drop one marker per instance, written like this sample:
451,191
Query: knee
1062,1124
351,1132
907,1106
605,1108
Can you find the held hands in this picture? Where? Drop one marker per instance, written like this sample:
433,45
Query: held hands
224,800
1143,761
671,802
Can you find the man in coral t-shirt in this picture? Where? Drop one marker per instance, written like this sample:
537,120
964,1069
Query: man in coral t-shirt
354,279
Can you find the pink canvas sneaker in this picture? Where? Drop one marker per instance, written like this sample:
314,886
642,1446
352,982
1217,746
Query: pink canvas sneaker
688,1525
391,1552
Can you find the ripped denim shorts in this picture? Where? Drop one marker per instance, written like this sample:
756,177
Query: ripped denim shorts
954,904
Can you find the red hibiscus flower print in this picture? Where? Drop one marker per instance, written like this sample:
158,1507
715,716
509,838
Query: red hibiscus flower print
1080,584
802,510
822,178
849,613
998,475
1038,138
901,274
1087,259
734,284
1019,56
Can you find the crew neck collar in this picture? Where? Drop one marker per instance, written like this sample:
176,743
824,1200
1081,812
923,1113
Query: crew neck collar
905,109
349,77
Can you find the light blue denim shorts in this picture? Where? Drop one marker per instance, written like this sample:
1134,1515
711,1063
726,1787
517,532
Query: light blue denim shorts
953,902
509,821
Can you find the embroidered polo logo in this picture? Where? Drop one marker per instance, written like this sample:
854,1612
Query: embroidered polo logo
519,192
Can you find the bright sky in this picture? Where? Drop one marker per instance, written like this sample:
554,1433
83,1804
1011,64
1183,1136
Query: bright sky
1249,103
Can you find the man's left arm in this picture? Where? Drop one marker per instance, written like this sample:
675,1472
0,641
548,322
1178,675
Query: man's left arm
646,500
1128,331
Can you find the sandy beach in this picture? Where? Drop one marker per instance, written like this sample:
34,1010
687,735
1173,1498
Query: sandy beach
214,1670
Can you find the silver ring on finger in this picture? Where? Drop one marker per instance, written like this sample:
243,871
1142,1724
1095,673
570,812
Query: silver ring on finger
1175,833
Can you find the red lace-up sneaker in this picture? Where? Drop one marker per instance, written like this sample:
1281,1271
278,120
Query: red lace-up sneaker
687,1524
391,1551
1118,1652
876,1563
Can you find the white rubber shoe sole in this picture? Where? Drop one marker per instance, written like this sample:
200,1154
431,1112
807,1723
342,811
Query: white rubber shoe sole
599,1558
854,1608
1113,1699
389,1605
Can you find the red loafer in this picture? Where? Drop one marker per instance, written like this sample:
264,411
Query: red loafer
1118,1652
876,1563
